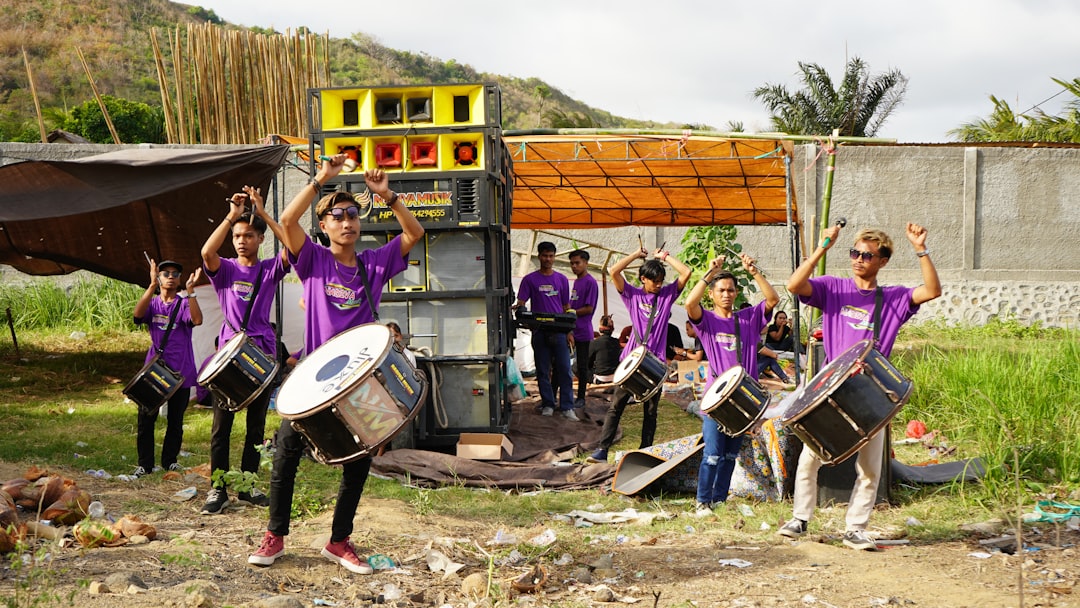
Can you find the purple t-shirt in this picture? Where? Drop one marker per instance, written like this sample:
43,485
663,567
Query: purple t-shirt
584,294
233,282
717,336
847,314
639,304
178,354
545,292
334,294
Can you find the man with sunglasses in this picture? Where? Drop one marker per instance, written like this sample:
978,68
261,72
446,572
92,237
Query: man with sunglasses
848,312
342,289
245,288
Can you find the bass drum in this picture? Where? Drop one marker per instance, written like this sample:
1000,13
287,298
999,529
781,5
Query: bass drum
238,373
353,394
155,384
847,402
735,401
641,373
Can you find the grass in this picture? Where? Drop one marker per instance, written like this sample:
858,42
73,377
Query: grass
989,390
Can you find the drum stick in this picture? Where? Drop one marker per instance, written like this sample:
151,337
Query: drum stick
737,255
841,222
350,164
641,244
147,256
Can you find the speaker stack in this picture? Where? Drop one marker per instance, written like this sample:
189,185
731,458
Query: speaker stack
442,148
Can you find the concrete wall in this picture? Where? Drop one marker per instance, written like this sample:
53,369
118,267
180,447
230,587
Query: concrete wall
1004,225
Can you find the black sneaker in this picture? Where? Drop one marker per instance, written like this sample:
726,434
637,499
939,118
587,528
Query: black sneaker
794,528
255,498
858,540
216,501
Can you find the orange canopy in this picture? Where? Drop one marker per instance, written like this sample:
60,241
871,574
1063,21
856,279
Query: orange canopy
583,180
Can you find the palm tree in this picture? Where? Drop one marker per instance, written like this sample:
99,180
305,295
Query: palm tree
1005,125
857,108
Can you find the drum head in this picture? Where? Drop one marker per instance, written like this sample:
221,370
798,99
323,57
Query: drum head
828,379
629,364
222,356
722,388
334,368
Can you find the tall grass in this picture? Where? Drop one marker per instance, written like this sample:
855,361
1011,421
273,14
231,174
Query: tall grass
85,304
997,388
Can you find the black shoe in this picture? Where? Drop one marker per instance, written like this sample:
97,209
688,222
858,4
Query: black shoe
793,529
255,498
216,501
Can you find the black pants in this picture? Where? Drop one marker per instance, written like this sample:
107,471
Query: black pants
221,432
174,432
581,366
289,449
615,411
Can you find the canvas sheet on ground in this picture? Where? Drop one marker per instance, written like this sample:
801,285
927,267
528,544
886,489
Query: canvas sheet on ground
543,446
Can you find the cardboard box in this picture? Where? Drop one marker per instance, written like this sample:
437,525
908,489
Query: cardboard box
484,446
699,369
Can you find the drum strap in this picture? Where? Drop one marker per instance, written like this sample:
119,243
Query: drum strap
648,326
367,288
251,302
169,327
738,337
879,297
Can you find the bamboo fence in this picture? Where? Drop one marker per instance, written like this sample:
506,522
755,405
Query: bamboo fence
237,86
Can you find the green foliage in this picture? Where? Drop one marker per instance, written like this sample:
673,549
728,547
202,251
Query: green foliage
857,108
93,303
700,245
1004,124
135,122
203,14
35,577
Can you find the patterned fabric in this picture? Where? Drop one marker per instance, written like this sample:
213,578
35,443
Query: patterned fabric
767,460
683,477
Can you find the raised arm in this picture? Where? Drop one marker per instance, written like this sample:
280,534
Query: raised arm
193,302
292,231
931,287
143,304
767,290
259,208
693,301
210,257
616,271
799,283
683,270
411,230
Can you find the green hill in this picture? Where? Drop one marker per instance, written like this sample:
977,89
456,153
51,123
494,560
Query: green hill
114,37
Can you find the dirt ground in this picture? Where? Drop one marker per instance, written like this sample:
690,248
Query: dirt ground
201,561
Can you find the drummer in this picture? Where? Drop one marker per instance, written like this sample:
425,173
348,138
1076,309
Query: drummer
650,309
342,289
848,311
234,281
729,338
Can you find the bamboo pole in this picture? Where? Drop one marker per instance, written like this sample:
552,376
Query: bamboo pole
33,93
163,85
97,96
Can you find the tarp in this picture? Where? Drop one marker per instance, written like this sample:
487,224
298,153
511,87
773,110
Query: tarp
100,213
582,180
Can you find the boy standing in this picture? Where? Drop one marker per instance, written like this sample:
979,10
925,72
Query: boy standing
583,297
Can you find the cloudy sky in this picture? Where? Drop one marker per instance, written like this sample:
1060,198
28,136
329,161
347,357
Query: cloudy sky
698,61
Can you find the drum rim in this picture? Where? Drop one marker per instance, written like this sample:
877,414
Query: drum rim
216,362
728,393
631,355
330,398
836,380
877,428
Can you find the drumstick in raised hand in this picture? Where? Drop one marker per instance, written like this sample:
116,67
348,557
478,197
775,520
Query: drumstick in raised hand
841,222
738,256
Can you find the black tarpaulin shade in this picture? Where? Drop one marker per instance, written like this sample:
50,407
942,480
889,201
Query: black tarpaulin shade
100,213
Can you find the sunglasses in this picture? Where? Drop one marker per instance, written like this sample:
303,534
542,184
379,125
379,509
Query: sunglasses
340,213
865,255
170,274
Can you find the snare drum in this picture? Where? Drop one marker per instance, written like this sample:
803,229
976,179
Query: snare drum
238,372
847,402
735,401
353,394
155,383
641,373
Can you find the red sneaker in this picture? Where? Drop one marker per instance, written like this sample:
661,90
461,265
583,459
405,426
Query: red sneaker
272,547
344,553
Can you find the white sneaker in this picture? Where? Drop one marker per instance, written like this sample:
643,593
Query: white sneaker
570,415
547,411
858,540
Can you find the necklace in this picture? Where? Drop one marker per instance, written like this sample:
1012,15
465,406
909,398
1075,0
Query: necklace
356,270
866,292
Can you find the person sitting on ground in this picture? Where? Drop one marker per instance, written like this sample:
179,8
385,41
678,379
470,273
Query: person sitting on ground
604,352
767,360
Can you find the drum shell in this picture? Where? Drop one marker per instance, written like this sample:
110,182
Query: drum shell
239,377
367,414
155,384
861,405
643,374
738,409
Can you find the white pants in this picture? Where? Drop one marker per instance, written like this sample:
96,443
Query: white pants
863,495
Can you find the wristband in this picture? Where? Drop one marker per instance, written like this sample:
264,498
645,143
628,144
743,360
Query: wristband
923,253
663,255
393,199
231,222
314,181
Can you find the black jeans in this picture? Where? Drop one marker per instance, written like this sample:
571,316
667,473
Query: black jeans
615,411
289,448
581,366
221,431
174,432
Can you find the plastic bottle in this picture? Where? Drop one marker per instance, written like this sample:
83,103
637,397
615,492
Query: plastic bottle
96,510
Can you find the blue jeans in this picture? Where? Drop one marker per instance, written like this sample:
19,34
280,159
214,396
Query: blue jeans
764,363
717,462
549,347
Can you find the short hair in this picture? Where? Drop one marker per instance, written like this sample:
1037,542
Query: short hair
328,201
652,270
874,235
545,247
720,276
257,223
394,326
580,253
607,324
